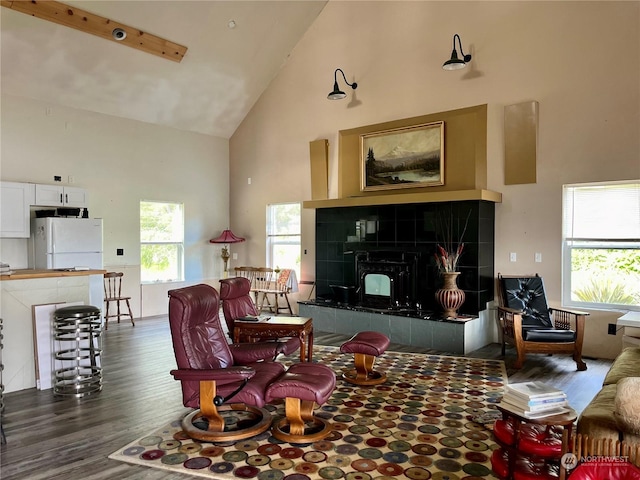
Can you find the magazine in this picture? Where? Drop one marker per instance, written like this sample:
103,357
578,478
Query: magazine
535,415
536,404
253,318
533,390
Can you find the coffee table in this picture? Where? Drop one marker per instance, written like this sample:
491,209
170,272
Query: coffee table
279,327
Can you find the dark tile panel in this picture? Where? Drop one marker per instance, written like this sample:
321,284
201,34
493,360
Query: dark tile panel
415,228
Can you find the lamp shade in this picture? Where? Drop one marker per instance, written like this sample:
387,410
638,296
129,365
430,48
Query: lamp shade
338,94
455,63
227,236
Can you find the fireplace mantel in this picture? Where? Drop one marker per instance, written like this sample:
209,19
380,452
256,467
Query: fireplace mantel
400,198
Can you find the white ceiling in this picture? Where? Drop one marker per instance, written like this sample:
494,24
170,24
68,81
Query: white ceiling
220,78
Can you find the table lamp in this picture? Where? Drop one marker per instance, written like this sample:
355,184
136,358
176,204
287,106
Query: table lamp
226,237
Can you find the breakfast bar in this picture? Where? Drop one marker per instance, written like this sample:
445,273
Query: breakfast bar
21,293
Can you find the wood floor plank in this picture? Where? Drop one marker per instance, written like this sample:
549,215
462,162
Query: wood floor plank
67,438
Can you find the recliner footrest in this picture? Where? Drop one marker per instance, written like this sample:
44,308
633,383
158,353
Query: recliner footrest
306,381
366,347
302,386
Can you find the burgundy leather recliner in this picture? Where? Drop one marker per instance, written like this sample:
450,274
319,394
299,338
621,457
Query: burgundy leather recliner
217,377
237,302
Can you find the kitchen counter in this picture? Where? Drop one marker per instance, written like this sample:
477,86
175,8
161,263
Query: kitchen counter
28,273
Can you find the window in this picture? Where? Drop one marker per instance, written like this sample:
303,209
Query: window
283,236
601,245
161,242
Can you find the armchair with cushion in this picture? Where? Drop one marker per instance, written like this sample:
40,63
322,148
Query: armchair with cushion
225,383
237,303
527,322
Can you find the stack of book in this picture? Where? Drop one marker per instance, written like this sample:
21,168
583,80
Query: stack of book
534,400
5,269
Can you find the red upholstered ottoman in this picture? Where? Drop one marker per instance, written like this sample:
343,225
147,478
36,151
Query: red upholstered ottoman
366,347
543,440
302,386
523,468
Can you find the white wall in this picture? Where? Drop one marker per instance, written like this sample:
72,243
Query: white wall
121,162
579,60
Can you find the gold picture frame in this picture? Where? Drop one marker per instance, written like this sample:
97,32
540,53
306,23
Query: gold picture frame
406,157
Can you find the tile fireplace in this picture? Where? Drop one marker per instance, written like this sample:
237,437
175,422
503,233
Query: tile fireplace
386,252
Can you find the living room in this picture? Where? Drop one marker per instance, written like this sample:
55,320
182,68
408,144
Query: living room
578,60
588,111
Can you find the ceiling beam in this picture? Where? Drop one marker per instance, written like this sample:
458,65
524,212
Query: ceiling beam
96,25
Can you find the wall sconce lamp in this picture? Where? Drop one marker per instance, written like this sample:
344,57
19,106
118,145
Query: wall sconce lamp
226,237
454,63
338,94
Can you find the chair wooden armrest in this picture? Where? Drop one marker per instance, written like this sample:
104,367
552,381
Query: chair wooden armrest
511,323
565,319
572,312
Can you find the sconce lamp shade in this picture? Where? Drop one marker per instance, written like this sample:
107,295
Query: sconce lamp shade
338,94
227,236
455,63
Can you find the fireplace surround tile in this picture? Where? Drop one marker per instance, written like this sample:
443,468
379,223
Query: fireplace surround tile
409,228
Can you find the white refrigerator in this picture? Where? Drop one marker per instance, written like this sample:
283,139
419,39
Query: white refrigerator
61,242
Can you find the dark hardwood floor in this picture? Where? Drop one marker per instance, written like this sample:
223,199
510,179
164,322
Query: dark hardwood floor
66,438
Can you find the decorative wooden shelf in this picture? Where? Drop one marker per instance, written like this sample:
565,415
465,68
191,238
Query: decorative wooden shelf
400,198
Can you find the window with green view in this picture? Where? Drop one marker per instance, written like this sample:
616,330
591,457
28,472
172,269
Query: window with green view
283,236
161,242
601,245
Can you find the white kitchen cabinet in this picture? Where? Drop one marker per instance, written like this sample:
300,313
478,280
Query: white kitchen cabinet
60,196
15,200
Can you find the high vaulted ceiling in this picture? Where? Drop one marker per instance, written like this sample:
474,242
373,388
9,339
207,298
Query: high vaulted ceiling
210,91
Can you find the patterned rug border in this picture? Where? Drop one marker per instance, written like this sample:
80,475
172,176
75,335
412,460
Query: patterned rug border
240,459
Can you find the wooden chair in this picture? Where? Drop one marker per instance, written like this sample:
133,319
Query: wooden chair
113,293
247,272
264,279
531,326
279,289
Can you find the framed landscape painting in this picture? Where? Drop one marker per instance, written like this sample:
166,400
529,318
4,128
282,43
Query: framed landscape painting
405,157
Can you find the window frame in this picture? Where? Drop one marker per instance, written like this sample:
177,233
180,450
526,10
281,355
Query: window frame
179,246
271,241
570,243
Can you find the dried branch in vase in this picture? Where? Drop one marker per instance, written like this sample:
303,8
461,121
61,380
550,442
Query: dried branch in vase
448,254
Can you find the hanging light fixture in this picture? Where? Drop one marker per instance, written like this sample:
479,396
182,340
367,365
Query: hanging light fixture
338,94
455,63
226,237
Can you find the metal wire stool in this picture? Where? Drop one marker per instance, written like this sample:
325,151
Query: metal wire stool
78,331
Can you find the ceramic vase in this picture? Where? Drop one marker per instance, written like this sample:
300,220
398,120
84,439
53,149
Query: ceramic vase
450,297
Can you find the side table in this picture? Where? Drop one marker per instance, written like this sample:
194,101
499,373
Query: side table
631,324
532,445
279,327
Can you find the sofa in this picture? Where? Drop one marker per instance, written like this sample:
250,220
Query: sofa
614,413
